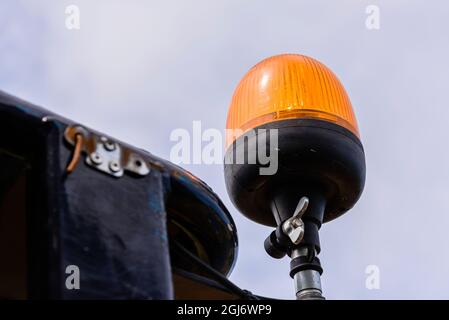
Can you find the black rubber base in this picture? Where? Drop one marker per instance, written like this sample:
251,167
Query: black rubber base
312,155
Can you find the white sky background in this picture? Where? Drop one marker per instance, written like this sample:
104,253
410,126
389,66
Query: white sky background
139,69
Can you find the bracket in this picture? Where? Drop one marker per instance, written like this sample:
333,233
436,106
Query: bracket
105,154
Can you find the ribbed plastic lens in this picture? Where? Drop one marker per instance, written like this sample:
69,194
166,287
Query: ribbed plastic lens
289,86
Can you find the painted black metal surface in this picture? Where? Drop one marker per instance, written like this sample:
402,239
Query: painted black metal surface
311,152
113,229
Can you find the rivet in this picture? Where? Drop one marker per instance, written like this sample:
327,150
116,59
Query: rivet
114,166
96,158
109,145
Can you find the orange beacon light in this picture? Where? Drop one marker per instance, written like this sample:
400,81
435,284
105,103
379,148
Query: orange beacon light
295,107
289,86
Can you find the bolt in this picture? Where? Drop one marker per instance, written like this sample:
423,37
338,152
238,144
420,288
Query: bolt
96,158
114,166
109,145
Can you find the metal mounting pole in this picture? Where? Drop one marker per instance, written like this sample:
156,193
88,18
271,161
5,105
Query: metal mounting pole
298,236
307,282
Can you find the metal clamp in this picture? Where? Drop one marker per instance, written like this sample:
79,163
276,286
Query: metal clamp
105,154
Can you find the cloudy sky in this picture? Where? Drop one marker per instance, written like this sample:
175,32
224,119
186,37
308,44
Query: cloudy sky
139,69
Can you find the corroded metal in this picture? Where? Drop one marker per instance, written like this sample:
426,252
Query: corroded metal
105,154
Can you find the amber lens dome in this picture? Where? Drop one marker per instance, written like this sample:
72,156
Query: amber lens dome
288,86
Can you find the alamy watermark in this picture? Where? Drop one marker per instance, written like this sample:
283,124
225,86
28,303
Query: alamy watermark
372,21
198,146
372,281
72,20
72,282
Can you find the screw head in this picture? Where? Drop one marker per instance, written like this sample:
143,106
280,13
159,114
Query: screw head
114,166
109,145
96,158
